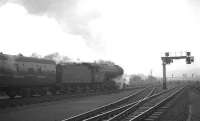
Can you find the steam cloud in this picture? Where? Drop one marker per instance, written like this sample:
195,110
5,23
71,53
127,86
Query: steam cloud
66,13
196,6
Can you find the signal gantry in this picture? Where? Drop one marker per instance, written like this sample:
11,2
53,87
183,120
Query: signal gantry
169,59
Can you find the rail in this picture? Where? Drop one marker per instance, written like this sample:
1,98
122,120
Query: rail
102,108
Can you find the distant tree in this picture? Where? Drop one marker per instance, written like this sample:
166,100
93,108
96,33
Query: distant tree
53,56
20,54
35,55
134,78
151,78
142,76
65,59
57,58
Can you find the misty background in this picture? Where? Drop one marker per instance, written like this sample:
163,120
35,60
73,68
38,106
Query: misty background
133,34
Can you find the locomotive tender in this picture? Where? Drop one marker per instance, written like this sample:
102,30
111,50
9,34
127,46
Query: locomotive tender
26,76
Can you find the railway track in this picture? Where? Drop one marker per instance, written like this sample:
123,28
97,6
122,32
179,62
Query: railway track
137,111
104,110
156,111
127,112
7,103
140,110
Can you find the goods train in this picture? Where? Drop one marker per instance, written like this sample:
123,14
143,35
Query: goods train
27,76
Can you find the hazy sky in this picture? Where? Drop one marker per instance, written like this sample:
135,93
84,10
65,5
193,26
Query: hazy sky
132,33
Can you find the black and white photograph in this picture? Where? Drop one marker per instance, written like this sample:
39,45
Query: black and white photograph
99,60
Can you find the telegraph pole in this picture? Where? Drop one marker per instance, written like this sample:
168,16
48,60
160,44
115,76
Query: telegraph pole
169,59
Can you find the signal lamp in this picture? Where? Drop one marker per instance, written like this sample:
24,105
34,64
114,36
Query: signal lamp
167,54
188,53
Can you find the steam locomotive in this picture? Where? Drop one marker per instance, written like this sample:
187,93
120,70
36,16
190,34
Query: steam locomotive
27,76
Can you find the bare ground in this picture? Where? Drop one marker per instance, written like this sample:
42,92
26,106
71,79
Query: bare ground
56,111
194,106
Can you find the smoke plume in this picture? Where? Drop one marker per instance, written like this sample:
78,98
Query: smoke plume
67,14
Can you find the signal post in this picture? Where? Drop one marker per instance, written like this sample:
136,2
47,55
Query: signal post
169,59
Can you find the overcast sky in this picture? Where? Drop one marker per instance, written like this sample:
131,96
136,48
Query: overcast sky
132,33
